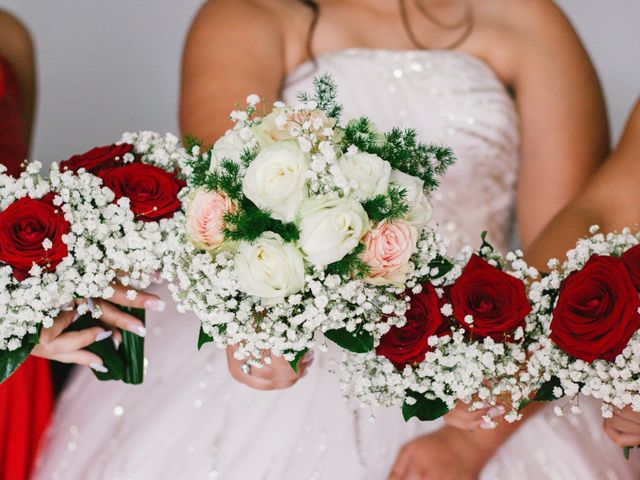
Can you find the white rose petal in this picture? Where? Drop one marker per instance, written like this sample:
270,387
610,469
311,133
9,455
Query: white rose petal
230,146
276,180
330,228
421,210
269,268
367,172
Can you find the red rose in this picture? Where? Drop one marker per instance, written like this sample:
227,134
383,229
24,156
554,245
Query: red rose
24,225
152,191
496,301
597,310
408,345
631,259
97,158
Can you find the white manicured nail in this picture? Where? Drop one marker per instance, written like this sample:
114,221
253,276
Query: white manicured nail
496,411
75,317
116,343
98,368
488,425
103,335
140,331
154,304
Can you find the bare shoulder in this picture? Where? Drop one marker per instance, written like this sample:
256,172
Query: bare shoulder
267,27
15,39
525,29
249,13
525,17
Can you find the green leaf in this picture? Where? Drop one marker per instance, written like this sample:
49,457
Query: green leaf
203,338
545,393
486,244
132,349
351,265
11,360
423,409
105,349
295,363
359,341
443,265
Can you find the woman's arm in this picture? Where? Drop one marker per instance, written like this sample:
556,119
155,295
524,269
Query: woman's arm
17,48
562,112
611,200
234,48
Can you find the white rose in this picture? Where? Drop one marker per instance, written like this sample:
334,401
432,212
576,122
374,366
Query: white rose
229,146
276,180
272,128
367,174
421,210
269,268
330,228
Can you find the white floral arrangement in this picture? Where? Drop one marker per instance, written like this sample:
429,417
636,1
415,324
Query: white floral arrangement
61,238
589,309
466,336
298,226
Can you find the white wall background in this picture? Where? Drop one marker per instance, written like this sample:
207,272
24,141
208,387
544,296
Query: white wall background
110,66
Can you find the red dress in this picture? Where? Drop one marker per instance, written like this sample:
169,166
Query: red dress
26,398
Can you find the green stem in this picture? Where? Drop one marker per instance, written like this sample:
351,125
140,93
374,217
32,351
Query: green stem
132,349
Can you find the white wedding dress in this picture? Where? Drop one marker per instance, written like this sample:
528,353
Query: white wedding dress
190,420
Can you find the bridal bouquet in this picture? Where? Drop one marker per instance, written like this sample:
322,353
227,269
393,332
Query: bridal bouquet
465,338
590,311
143,172
297,225
61,238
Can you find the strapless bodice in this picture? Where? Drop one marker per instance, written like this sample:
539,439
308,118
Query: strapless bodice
450,98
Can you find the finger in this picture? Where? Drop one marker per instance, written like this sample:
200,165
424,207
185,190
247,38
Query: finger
71,341
121,296
268,372
401,466
262,384
115,317
116,337
467,416
415,475
82,357
628,414
622,439
60,324
623,425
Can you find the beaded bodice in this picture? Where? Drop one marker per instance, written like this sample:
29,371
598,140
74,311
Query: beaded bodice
449,98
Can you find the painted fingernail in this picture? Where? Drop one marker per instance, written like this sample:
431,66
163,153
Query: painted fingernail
103,335
139,330
488,425
116,343
98,368
75,317
308,357
496,411
155,304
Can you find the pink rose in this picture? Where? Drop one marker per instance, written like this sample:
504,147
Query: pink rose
388,249
205,218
